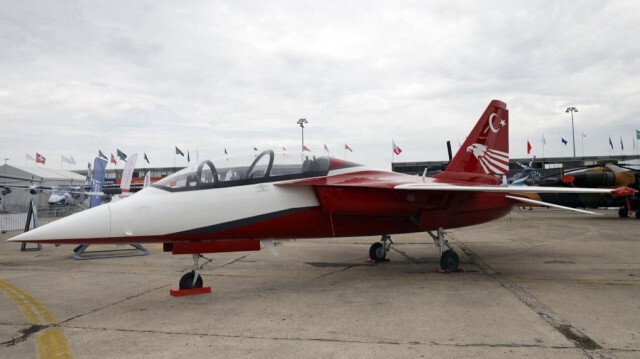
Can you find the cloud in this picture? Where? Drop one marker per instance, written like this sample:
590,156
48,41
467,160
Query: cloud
235,75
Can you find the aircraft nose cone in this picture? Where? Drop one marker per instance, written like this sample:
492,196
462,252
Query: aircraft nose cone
90,224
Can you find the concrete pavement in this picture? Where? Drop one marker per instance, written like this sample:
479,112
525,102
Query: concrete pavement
537,284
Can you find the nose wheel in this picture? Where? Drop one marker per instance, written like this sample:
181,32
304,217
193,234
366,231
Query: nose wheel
187,281
191,282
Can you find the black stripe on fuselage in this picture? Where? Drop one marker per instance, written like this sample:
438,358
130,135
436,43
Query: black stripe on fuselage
221,227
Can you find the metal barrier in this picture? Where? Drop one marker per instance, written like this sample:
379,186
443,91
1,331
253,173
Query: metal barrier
14,221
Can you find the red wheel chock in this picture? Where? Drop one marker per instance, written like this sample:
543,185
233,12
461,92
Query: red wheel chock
192,291
446,271
373,261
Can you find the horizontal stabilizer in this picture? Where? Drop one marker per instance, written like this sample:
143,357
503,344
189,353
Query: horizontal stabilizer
546,204
503,189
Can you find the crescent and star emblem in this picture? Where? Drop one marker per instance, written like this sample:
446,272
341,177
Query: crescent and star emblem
493,129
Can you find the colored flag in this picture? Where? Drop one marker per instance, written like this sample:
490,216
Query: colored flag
101,155
528,147
610,143
284,149
99,168
326,148
188,156
637,134
564,141
146,158
30,158
544,141
121,155
225,151
397,150
40,158
621,144
178,152
346,147
305,148
113,159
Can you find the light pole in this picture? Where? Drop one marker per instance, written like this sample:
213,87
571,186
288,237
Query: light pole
301,122
572,110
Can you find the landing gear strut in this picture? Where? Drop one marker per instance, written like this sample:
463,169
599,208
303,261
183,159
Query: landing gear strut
378,250
193,279
449,259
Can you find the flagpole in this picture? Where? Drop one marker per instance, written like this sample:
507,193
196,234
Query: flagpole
393,154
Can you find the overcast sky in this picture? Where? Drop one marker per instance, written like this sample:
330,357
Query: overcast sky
145,76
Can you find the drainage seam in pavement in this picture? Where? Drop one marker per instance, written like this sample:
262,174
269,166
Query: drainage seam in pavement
562,325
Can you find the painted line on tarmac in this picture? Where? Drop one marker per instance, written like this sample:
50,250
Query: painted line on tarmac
559,323
51,341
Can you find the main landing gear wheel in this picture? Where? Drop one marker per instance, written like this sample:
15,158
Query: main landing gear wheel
623,213
449,261
378,250
187,282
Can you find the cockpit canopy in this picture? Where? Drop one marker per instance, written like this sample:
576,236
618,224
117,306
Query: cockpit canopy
268,166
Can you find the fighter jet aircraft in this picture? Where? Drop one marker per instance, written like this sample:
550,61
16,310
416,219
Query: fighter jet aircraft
227,206
603,175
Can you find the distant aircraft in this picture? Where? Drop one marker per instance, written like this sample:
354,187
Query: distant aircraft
526,177
605,175
6,186
233,207
59,195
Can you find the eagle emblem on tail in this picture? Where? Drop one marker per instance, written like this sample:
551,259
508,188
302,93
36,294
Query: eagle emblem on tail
492,161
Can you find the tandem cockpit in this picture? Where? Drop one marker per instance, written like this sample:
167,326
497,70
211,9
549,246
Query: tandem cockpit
268,166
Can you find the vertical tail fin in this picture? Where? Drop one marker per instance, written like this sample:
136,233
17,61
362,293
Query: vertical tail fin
486,149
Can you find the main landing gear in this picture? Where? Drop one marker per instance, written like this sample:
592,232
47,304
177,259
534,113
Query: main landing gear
192,280
378,250
449,259
624,212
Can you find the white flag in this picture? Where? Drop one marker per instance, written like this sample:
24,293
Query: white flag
29,158
544,142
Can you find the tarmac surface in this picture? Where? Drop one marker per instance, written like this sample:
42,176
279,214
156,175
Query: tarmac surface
538,284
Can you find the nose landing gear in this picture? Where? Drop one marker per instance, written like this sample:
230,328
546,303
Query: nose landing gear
191,282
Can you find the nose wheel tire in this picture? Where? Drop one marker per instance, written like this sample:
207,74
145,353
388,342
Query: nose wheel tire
186,282
449,261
